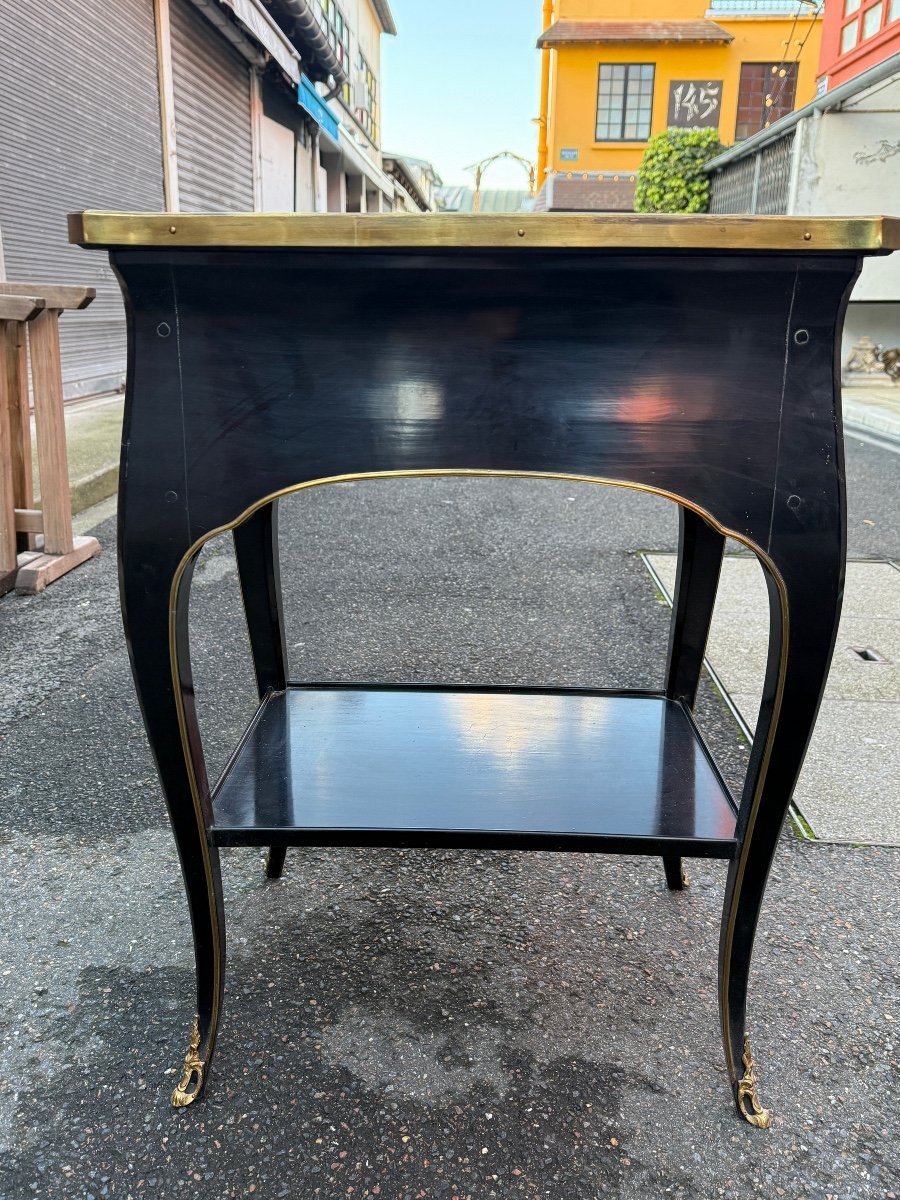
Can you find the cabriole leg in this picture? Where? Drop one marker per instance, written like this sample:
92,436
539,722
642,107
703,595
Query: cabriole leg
799,656
145,588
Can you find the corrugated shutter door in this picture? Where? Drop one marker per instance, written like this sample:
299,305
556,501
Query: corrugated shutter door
79,128
212,116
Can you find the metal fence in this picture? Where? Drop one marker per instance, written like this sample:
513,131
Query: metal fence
759,183
758,6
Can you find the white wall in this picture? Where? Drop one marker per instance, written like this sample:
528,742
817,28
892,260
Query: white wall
277,145
850,166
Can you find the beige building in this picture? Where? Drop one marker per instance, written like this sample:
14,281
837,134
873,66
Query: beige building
319,128
340,170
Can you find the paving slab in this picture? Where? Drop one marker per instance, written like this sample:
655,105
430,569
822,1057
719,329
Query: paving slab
847,790
844,792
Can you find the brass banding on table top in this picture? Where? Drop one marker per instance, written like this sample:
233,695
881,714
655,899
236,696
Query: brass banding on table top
861,235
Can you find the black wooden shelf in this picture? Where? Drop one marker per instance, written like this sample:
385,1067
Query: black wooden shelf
401,766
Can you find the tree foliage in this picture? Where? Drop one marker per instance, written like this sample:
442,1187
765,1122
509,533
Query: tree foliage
671,176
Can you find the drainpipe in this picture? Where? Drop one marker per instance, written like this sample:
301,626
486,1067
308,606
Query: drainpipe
544,118
315,165
166,104
797,150
256,113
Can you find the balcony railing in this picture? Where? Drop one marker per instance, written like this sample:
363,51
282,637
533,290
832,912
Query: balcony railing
762,6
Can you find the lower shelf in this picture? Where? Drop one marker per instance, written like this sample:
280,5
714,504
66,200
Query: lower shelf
403,766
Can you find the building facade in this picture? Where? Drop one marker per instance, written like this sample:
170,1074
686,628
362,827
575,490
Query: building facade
415,183
616,72
178,105
839,156
340,90
856,35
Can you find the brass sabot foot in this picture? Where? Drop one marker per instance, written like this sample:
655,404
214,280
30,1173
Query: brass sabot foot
185,1094
747,1098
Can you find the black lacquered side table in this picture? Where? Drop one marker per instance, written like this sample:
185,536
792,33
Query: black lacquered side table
690,357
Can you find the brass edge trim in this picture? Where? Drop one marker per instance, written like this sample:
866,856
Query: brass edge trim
75,229
761,554
545,230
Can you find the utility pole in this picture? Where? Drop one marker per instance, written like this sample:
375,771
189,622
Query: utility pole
543,121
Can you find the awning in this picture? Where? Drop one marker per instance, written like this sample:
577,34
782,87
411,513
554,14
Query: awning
255,19
310,101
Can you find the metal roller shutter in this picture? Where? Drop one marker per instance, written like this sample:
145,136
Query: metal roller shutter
212,116
79,128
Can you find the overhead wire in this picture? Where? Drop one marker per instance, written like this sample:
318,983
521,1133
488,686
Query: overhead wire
780,68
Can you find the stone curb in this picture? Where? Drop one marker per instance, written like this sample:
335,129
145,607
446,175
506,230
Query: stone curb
91,489
879,427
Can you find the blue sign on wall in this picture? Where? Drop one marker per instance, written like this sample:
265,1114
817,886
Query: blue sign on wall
310,100
568,155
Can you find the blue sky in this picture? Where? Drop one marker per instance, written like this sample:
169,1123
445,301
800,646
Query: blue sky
461,81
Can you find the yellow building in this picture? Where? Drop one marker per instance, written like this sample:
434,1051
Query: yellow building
616,72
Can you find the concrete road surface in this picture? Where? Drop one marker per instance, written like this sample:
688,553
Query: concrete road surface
413,1025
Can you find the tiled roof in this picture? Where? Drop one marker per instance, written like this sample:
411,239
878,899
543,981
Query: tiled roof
588,191
575,33
453,198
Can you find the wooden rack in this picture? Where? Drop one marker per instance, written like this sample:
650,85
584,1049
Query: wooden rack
29,331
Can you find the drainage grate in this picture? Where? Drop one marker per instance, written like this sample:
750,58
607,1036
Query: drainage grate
866,654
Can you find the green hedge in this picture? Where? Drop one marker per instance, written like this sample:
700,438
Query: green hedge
671,176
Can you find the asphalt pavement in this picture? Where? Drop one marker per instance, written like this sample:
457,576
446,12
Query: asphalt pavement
417,1025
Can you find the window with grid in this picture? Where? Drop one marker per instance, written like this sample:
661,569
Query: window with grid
336,29
624,102
762,82
866,23
872,19
366,112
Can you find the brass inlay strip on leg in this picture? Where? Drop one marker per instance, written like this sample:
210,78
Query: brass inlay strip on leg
748,1100
184,1094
